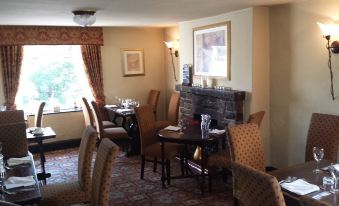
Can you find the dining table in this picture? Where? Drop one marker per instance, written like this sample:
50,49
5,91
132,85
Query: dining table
22,195
192,135
305,171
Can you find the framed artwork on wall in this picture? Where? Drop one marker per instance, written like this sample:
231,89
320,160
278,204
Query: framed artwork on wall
212,50
132,62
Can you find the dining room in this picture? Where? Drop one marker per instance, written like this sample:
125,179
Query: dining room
276,57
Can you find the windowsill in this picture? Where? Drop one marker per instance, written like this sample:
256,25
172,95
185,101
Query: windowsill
61,111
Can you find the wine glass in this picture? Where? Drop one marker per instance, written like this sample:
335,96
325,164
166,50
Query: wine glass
181,125
318,154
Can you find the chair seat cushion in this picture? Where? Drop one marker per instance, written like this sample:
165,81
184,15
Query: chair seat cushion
154,150
108,124
162,124
219,159
115,133
63,194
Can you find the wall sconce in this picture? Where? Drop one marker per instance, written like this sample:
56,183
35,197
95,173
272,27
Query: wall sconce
170,45
328,31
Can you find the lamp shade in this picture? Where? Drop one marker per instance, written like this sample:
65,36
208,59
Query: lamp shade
169,44
84,18
327,29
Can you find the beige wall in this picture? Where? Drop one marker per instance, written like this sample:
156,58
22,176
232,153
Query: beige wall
71,125
299,75
249,58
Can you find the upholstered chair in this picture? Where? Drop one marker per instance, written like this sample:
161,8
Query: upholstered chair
14,139
253,187
149,142
13,116
116,134
172,113
39,115
323,132
75,191
256,118
153,98
88,116
309,201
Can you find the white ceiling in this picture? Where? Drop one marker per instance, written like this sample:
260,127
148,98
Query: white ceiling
159,13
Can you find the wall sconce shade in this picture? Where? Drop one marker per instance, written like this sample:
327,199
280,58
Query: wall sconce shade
170,45
84,18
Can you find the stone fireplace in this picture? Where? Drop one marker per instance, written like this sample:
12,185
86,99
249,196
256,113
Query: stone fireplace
224,106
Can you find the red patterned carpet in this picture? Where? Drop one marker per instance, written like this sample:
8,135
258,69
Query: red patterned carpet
128,189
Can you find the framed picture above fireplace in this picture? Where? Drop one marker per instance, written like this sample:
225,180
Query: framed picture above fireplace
212,50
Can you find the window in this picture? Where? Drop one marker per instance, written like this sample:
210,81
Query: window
54,74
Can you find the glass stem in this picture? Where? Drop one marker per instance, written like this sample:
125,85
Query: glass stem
317,166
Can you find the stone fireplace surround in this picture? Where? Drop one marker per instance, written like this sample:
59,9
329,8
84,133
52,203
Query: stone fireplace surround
224,106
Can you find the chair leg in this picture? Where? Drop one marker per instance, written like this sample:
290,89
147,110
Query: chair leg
155,163
168,171
142,167
235,201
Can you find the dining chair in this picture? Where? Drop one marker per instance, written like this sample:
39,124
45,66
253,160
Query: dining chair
149,142
88,116
323,132
153,98
39,115
72,192
12,116
172,113
256,118
117,134
309,201
252,187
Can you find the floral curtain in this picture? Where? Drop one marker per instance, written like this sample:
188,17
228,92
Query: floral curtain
11,59
91,55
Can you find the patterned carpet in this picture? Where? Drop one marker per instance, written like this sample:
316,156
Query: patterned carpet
128,189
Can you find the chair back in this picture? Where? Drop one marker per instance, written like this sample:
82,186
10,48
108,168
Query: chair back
39,115
252,187
12,116
14,139
246,145
102,172
86,149
323,132
309,201
97,119
87,111
147,128
173,108
153,98
256,118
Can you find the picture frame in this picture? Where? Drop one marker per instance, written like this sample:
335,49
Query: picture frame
132,62
212,50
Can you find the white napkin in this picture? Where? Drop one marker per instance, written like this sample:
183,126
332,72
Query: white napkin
217,131
14,182
300,187
172,128
124,110
111,105
18,161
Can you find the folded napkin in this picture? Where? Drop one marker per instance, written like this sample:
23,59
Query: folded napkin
14,182
111,105
124,110
18,161
172,128
217,131
300,187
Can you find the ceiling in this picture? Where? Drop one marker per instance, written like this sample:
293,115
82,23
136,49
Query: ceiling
157,13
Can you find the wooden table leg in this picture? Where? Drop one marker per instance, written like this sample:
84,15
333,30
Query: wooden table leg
202,170
163,179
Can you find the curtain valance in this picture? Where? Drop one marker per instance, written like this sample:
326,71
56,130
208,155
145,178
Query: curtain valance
50,35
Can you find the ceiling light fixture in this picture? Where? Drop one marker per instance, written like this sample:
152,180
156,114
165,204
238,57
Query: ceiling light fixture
84,17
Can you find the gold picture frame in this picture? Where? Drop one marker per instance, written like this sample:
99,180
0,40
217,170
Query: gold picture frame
212,50
132,62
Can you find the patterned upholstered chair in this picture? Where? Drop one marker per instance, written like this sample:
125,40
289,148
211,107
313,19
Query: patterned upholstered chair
153,98
88,116
116,134
13,116
252,187
256,118
172,114
323,132
77,191
309,201
149,142
39,115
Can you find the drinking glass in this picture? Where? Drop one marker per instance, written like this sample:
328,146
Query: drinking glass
318,154
181,125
